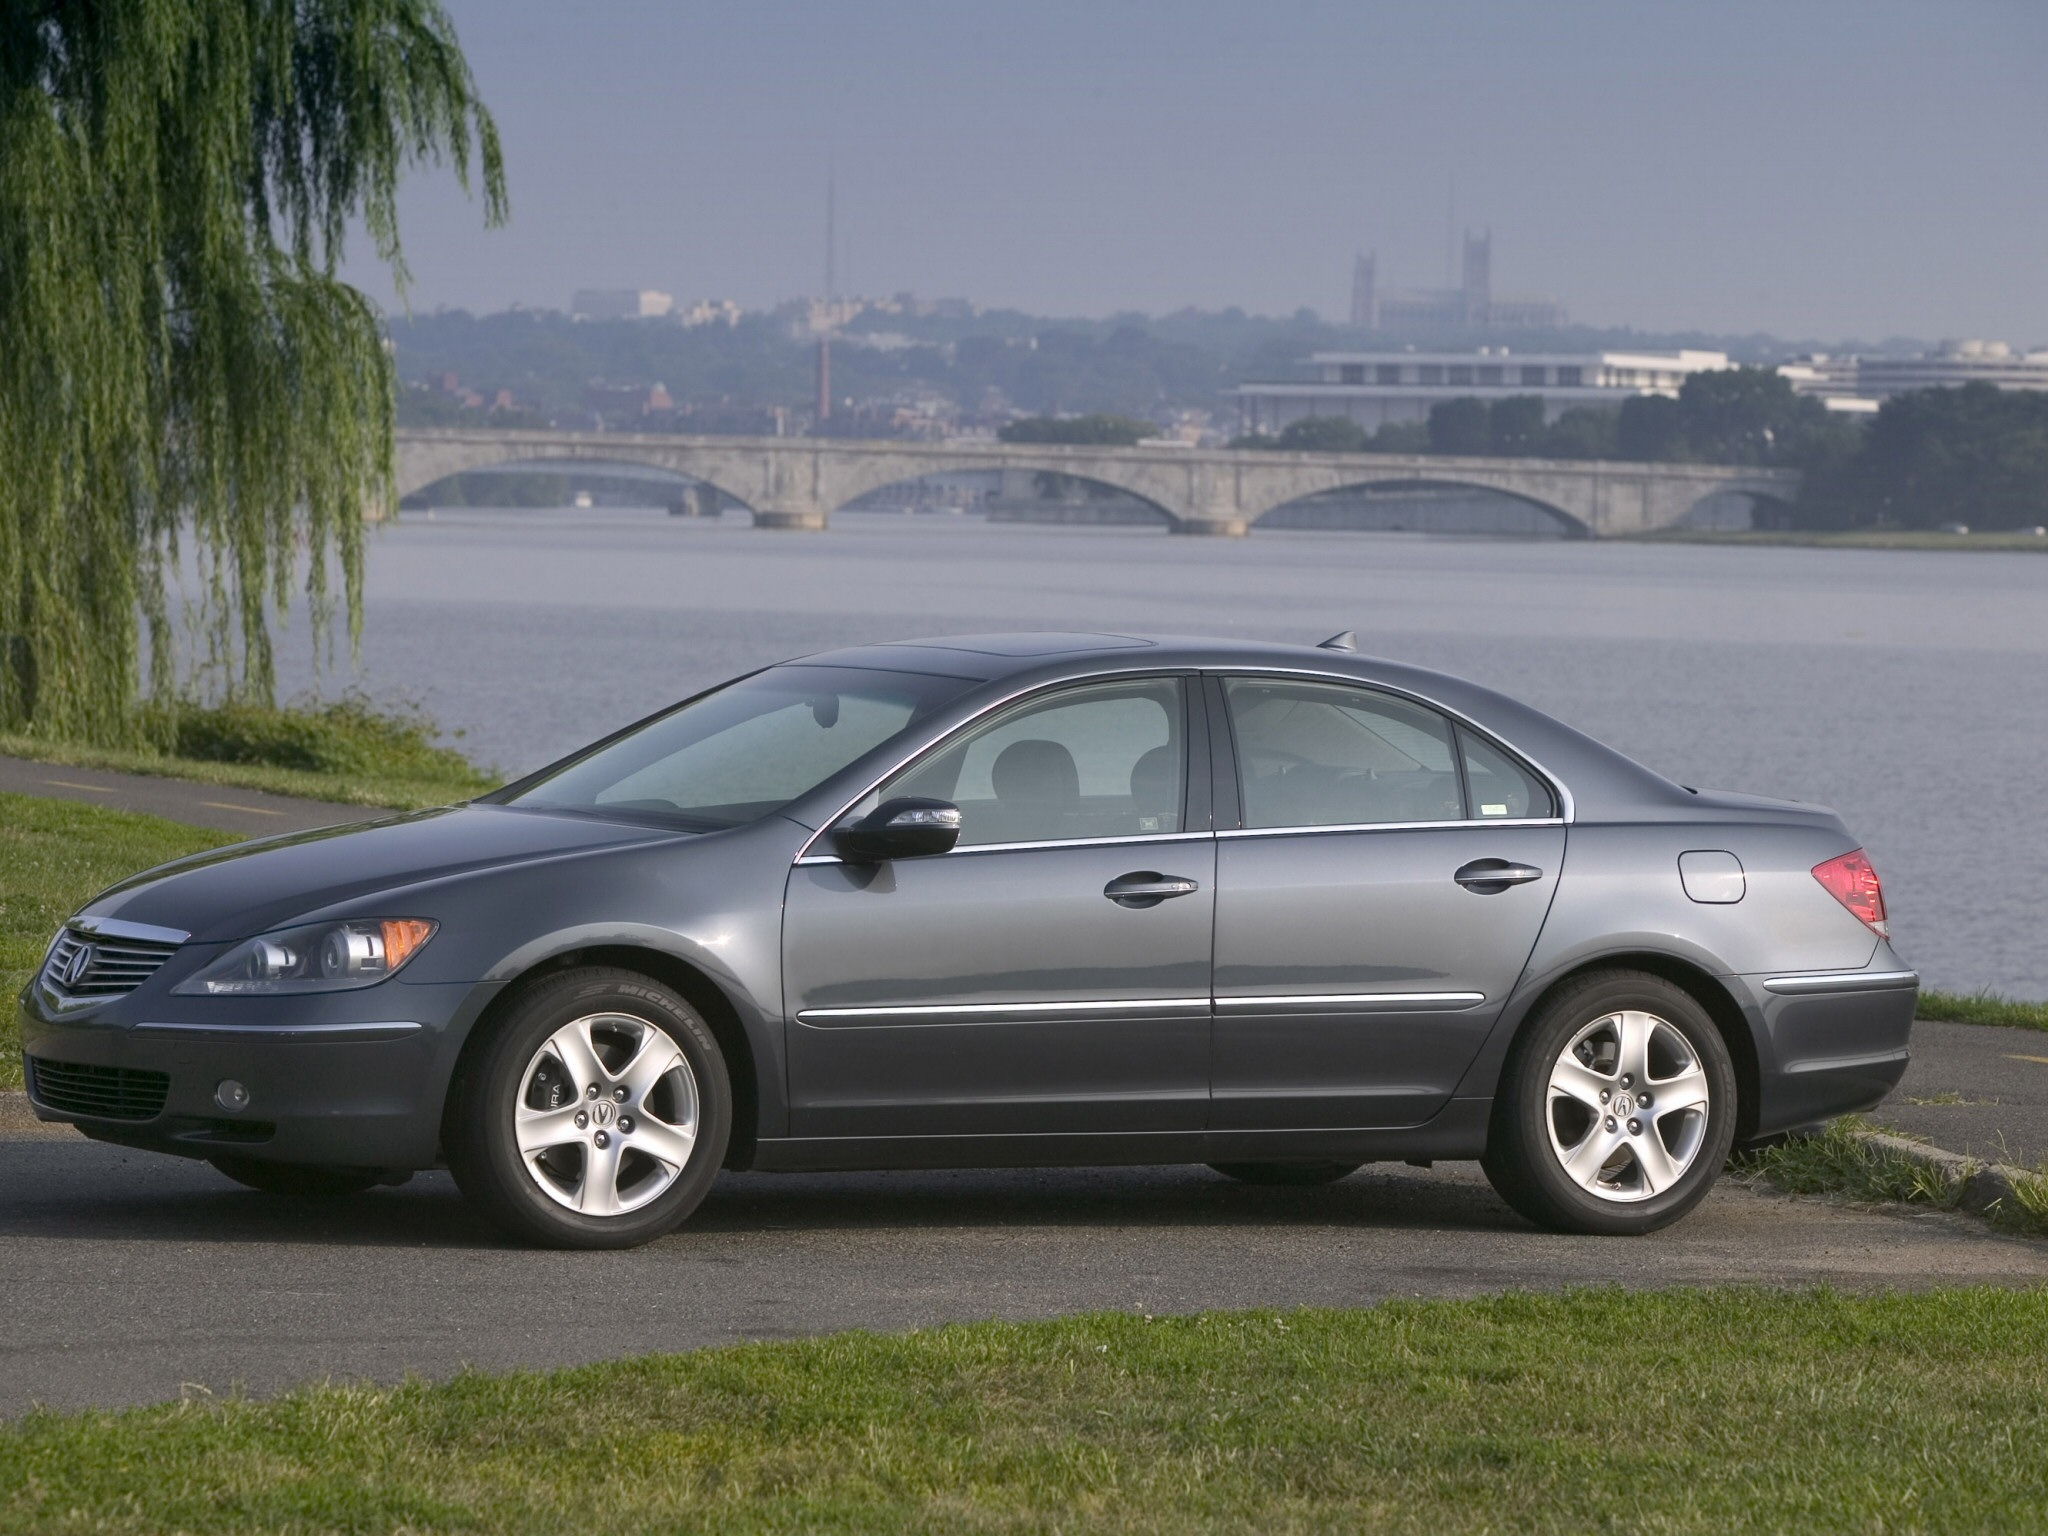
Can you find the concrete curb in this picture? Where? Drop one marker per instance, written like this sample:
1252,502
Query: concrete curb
1984,1185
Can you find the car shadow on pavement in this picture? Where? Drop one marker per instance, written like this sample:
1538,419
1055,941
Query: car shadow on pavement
84,1192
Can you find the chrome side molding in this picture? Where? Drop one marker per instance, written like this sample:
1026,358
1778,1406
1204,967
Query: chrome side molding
1843,981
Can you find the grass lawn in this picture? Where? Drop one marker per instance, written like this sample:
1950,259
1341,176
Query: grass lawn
1591,1411
1983,1008
402,790
54,855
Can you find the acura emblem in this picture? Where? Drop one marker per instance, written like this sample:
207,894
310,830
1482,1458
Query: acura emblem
75,967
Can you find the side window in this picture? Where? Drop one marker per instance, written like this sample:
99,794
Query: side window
1103,760
1502,789
1329,755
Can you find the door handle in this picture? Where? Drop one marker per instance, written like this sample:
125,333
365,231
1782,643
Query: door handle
1489,877
1148,888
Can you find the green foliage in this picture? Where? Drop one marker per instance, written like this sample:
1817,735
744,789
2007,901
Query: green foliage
1583,432
180,362
1983,1008
1323,434
55,855
1976,455
349,737
1839,1161
1602,1410
1094,431
1461,427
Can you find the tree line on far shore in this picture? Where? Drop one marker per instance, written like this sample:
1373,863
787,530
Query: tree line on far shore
1975,454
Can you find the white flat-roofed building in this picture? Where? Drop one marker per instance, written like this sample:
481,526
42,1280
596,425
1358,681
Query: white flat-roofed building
1376,388
1955,363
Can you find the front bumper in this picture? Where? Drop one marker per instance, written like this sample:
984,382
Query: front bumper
1833,1043
323,1087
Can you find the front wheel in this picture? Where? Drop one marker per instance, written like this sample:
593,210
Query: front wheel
594,1115
1616,1108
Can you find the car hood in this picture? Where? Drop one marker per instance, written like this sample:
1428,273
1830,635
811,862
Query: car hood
249,888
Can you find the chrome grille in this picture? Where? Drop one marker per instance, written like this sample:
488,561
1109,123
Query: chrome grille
107,1093
113,968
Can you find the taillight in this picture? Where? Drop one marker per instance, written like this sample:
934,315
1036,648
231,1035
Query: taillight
1852,880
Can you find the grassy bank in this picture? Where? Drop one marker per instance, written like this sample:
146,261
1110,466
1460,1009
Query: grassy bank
347,750
1983,1008
1602,1411
54,855
1854,538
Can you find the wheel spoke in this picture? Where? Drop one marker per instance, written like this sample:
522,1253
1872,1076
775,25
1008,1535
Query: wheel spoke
1573,1079
655,1058
573,1048
538,1129
1633,1031
598,1194
1658,1170
665,1143
1688,1090
1584,1161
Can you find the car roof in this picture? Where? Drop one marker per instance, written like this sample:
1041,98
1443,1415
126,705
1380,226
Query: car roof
1600,780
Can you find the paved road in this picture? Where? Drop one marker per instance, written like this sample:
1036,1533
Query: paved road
248,811
128,1276
2000,1077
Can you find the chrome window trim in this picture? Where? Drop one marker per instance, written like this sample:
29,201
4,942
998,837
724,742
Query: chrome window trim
1448,1001
1063,842
1842,981
117,928
1391,826
1180,674
854,1018
394,1030
1567,808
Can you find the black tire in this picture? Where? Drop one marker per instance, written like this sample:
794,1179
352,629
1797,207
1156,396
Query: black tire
1534,1132
297,1181
506,1073
1302,1175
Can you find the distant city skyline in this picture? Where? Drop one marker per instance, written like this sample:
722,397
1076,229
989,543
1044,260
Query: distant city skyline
1834,169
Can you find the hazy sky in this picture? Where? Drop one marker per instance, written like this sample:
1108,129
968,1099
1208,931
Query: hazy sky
1811,167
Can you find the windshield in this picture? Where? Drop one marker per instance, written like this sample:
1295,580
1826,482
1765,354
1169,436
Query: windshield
747,750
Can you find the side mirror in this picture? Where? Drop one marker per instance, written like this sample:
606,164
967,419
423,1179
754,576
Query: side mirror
904,828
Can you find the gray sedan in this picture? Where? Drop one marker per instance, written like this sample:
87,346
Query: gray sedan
1002,900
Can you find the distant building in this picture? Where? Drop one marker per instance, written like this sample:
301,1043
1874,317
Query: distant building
1830,380
709,312
620,304
1376,388
1471,307
1956,362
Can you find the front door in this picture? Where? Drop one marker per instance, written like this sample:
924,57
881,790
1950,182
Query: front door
1363,947
1018,985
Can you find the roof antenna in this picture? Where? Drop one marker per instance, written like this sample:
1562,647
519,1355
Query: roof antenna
1347,640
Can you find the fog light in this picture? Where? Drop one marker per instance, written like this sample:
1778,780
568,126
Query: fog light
231,1096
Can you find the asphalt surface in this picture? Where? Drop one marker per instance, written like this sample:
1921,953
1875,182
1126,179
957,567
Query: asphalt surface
1978,1089
133,1278
221,806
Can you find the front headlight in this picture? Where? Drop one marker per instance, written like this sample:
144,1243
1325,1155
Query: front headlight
320,957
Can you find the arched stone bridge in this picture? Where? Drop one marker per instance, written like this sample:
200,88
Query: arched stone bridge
798,482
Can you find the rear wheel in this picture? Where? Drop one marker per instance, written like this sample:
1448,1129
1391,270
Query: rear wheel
595,1115
1295,1175
296,1181
1616,1108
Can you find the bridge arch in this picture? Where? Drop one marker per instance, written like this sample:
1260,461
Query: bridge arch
1162,516
600,463
1567,522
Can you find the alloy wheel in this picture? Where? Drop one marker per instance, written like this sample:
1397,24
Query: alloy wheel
607,1114
1627,1106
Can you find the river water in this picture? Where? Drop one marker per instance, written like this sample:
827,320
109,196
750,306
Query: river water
1909,690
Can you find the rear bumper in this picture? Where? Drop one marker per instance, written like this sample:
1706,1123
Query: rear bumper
341,1092
1832,1043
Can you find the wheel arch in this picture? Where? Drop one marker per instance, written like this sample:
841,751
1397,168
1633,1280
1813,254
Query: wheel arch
1703,986
693,985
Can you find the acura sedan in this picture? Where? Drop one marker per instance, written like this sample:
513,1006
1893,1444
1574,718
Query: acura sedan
1002,900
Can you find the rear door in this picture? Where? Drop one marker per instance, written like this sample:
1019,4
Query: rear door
1376,901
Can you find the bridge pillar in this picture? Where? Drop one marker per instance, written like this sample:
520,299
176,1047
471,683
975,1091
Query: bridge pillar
799,519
